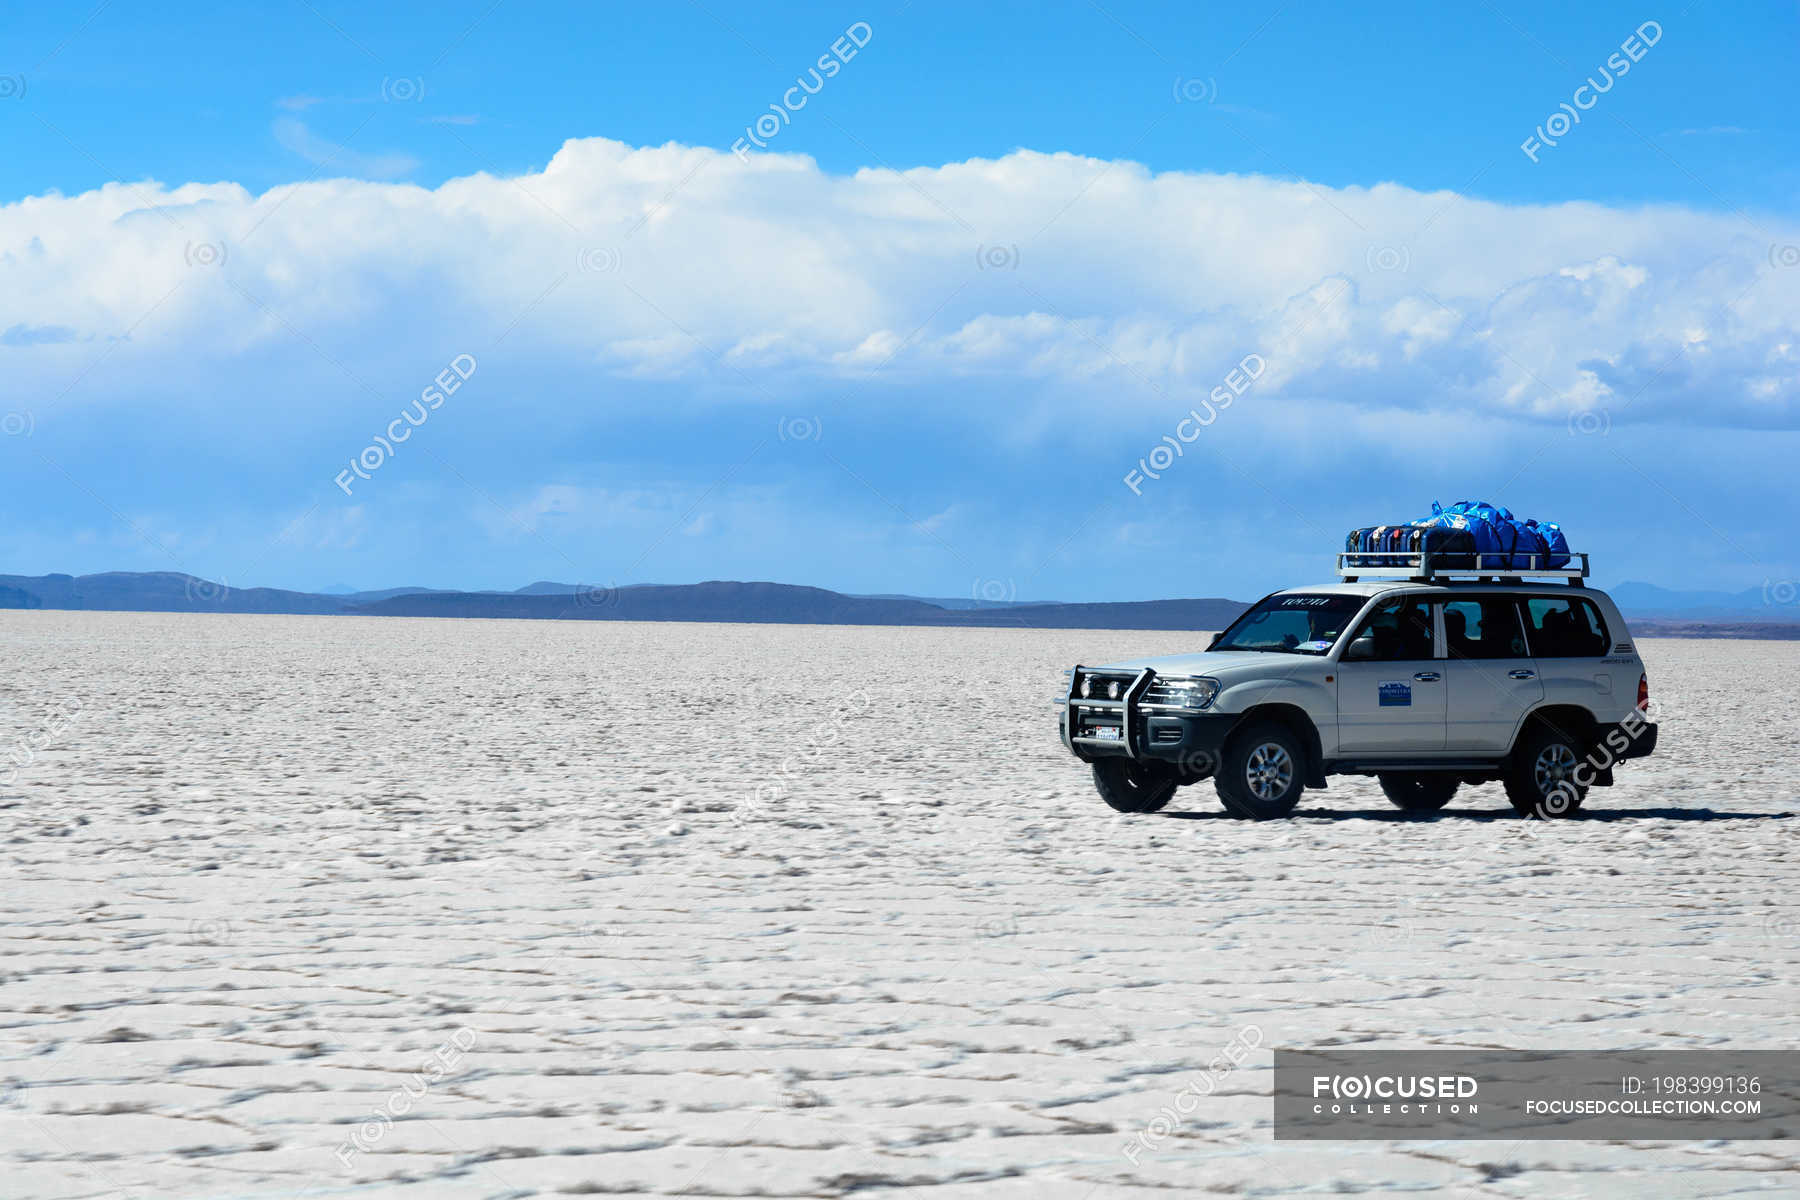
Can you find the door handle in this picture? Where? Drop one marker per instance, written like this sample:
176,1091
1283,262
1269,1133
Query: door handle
1521,674
1427,676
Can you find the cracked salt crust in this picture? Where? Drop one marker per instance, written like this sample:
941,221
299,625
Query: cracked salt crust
278,861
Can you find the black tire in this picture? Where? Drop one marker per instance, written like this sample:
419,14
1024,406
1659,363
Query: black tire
1540,779
1419,791
1261,773
1134,787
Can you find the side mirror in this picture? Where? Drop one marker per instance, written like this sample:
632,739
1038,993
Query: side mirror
1362,649
1215,639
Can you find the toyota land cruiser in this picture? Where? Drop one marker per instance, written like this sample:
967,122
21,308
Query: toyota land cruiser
1426,682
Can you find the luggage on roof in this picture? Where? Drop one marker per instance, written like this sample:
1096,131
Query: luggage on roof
1469,535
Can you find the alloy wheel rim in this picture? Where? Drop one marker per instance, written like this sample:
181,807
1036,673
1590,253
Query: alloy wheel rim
1269,771
1554,768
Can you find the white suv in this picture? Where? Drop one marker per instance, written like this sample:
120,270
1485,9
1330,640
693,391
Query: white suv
1427,683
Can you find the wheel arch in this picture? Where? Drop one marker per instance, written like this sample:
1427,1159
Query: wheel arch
1300,722
1571,720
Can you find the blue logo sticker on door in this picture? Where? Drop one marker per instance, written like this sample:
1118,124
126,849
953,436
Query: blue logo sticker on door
1396,695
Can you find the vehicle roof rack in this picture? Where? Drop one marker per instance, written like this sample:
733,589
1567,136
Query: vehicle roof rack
1425,567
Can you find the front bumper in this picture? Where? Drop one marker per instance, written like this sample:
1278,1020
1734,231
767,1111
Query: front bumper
1192,741
1124,728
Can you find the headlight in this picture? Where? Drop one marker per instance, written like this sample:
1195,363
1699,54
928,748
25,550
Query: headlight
1189,693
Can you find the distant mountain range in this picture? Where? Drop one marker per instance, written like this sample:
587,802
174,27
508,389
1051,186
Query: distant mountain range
1773,602
1768,612
779,603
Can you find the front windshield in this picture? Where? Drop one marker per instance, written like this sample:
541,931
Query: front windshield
1291,624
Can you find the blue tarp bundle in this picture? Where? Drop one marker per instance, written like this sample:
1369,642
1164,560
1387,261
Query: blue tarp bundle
1501,541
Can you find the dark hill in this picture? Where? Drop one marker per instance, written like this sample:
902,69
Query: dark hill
772,603
790,604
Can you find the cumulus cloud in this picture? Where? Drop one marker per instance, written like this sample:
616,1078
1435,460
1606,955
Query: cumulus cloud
678,262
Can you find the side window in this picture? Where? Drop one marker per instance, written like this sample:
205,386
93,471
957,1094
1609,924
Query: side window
1401,629
1565,627
1483,627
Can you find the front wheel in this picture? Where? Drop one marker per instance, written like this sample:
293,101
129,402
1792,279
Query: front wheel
1134,787
1418,791
1260,775
1544,780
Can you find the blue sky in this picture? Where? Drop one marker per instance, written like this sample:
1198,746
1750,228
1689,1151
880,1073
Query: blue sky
1429,95
917,342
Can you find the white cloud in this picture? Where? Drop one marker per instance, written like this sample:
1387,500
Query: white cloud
677,262
294,135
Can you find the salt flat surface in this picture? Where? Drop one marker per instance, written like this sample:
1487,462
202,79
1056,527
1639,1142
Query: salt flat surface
341,907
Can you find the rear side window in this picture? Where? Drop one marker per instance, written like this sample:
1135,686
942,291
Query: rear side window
1565,627
1483,627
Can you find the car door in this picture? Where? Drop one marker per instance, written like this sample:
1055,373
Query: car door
1490,679
1390,694
1570,641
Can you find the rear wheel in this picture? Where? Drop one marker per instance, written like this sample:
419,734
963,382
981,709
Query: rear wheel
1134,787
1260,774
1418,791
1542,781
